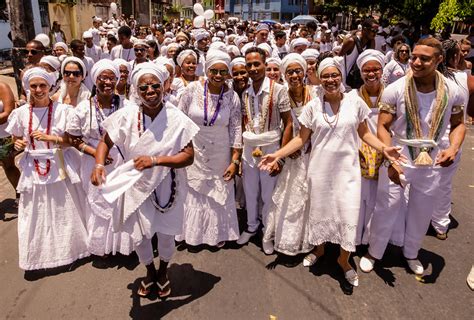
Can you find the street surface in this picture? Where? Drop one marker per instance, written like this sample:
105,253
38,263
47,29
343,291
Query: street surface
243,283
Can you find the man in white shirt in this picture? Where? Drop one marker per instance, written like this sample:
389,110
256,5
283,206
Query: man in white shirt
78,50
125,49
96,23
91,50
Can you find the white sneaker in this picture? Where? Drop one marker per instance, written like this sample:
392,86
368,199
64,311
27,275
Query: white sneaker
267,247
415,266
366,264
245,237
352,277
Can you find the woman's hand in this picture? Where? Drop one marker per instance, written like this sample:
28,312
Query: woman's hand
269,162
230,172
98,175
20,145
394,154
446,157
144,162
40,136
394,173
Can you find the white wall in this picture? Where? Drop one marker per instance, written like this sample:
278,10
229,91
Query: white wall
5,43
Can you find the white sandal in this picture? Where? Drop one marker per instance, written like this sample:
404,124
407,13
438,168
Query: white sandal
352,277
309,260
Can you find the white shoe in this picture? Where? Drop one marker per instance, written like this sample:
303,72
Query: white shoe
352,277
245,237
470,279
267,247
366,264
309,260
415,266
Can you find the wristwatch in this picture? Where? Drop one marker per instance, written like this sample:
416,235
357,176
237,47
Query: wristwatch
236,162
387,163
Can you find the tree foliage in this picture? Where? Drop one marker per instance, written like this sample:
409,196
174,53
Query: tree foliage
451,10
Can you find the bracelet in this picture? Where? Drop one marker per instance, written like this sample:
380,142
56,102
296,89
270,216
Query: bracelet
99,166
153,161
281,162
57,140
83,148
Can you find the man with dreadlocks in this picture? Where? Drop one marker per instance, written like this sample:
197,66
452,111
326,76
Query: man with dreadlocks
416,112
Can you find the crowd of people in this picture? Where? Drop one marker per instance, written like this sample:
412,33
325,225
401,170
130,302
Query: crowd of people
320,135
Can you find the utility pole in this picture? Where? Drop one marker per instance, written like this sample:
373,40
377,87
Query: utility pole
20,14
250,17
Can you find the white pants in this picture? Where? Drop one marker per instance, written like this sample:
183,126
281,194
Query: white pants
367,205
424,186
166,249
440,219
258,187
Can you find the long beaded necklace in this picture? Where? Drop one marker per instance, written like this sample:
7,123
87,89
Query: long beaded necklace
154,200
332,123
99,112
32,141
249,106
306,98
218,107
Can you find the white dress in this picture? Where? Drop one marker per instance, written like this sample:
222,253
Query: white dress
393,71
334,175
51,213
288,212
83,122
210,212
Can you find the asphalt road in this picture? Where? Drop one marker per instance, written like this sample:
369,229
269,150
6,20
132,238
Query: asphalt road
243,283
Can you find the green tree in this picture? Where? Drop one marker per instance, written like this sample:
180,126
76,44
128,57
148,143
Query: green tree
450,10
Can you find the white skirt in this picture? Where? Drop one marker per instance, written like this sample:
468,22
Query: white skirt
52,226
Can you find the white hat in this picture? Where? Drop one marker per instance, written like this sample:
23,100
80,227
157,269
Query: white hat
87,34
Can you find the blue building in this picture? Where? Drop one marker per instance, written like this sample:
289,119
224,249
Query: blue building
279,10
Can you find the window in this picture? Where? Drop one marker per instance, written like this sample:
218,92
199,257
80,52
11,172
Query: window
267,4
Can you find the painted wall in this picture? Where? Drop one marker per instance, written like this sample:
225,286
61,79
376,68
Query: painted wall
5,43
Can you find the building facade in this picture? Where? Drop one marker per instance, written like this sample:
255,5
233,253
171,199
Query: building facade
279,10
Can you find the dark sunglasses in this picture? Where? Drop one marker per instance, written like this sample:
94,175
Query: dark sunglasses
145,87
32,51
74,73
215,72
139,49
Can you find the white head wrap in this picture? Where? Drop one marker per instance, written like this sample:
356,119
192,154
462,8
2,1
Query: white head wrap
121,62
37,72
52,61
140,42
239,61
298,42
62,45
276,61
87,34
218,46
266,47
263,26
76,60
329,62
370,55
149,68
293,58
216,39
233,49
102,65
184,54
167,41
220,34
310,54
169,34
200,34
165,61
217,56
239,40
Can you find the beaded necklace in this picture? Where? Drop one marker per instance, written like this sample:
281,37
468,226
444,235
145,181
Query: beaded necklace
99,113
249,108
326,117
32,141
218,107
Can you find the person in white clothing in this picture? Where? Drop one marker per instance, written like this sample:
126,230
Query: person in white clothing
210,215
398,66
156,142
72,90
334,123
78,50
415,112
92,50
125,49
265,107
96,24
51,214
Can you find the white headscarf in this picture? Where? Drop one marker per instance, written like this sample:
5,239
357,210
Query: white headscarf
165,61
76,60
236,62
370,55
298,42
37,72
61,44
200,34
217,56
51,61
102,65
329,62
293,58
238,40
184,54
266,47
218,46
122,62
149,68
233,49
310,54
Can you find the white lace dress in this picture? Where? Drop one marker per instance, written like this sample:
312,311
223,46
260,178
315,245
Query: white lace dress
334,177
83,122
288,212
51,213
210,212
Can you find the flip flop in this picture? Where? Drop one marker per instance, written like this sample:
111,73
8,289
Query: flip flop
144,290
161,293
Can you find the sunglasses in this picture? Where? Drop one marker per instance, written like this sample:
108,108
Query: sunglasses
221,72
32,51
73,73
139,49
145,87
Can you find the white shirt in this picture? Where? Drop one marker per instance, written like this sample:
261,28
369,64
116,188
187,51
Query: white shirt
118,52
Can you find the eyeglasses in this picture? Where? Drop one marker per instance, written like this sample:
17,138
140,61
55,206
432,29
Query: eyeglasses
297,71
105,79
333,76
124,72
76,74
371,71
139,49
145,87
215,72
32,51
